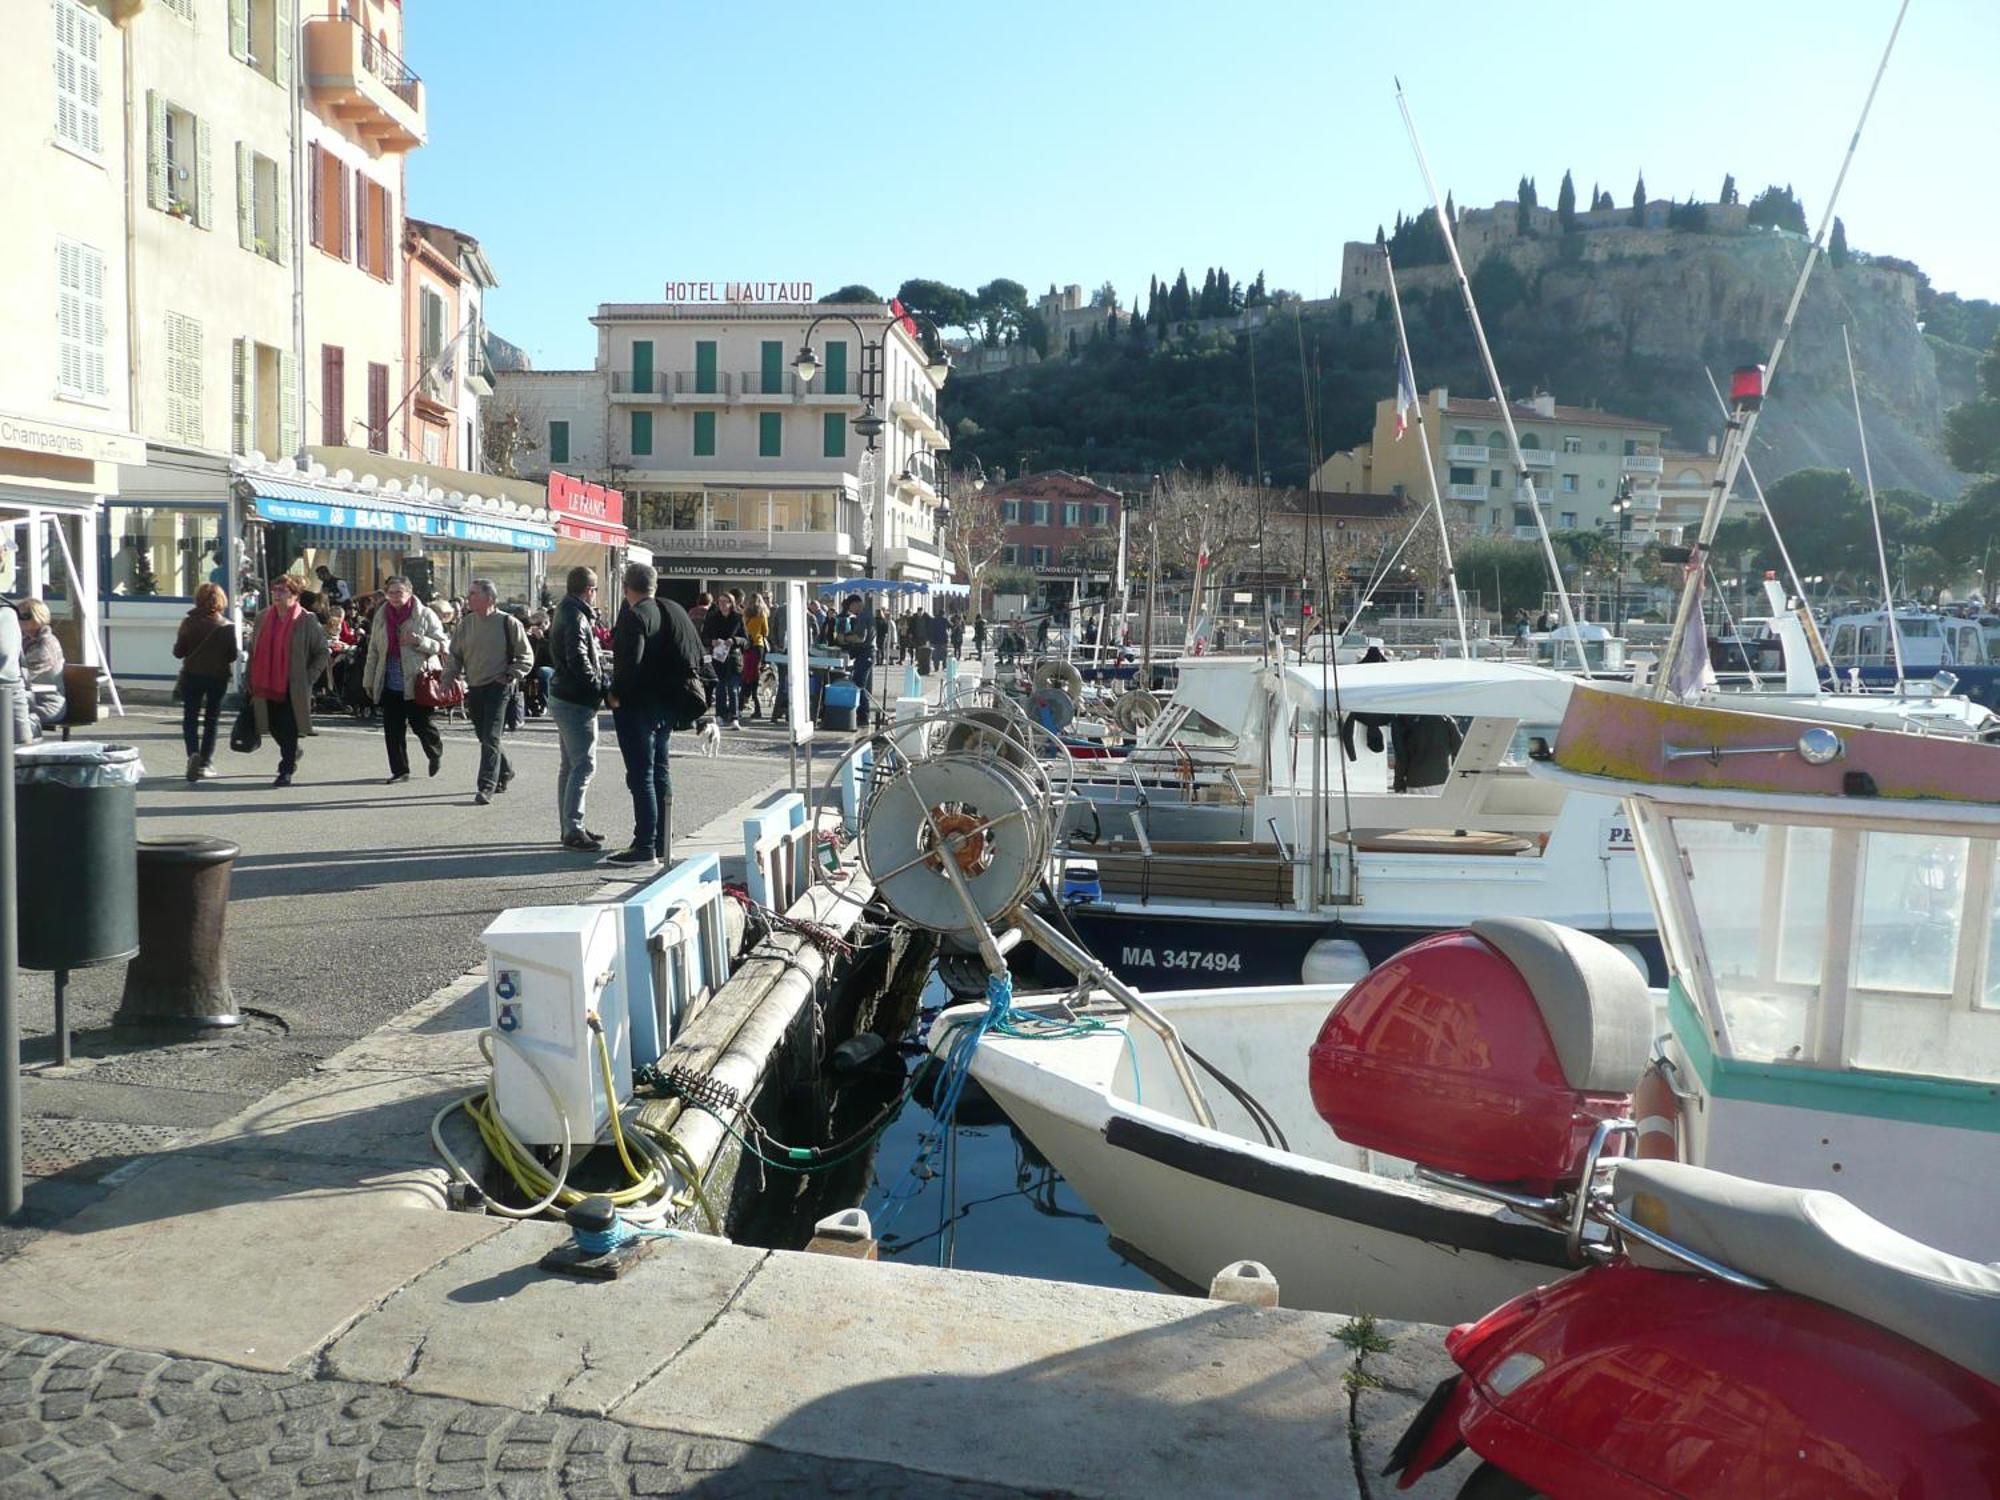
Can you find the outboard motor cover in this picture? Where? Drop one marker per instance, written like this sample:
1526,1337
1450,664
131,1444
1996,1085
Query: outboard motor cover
1491,1053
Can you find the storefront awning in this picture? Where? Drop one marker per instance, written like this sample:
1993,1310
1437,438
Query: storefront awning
571,530
339,510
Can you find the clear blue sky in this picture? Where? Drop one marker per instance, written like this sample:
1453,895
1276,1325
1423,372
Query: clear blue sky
600,147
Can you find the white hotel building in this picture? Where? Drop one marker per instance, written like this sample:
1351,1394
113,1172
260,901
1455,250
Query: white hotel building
737,472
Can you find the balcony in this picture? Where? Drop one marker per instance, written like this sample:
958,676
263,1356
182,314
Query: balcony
1526,534
692,389
638,385
1640,463
754,390
1539,458
817,394
478,374
1472,492
363,87
1467,453
917,410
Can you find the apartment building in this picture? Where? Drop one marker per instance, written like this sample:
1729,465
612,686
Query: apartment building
445,280
1578,457
735,469
1059,526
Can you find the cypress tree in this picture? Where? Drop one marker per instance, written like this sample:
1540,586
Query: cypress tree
1639,202
1836,248
1566,204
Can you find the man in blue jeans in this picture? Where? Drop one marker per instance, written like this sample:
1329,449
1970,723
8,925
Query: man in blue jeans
490,651
577,683
655,660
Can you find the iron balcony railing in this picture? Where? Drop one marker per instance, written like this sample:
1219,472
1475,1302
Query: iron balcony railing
394,73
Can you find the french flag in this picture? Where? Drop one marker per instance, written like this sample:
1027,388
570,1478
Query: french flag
1406,394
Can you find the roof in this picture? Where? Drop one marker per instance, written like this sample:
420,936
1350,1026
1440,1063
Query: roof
457,242
1052,484
1465,689
1340,504
1524,411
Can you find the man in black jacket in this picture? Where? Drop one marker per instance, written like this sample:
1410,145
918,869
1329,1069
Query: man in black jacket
655,656
576,693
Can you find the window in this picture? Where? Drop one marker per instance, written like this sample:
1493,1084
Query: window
374,223
1567,520
704,367
182,8
1011,554
1463,438
332,395
1495,478
260,35
183,379
1572,443
1495,514
177,157
1523,516
1038,557
378,408
331,227
264,399
1010,511
770,434
1631,447
263,209
1569,485
1458,474
79,321
558,442
79,84
771,369
161,552
835,435
704,434
1530,443
430,344
642,434
836,367
1038,512
642,366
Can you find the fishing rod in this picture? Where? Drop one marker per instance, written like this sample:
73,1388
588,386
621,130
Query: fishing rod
1747,392
1406,380
1875,515
1522,477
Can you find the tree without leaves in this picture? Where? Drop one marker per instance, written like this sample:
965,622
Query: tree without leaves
1216,511
975,533
508,425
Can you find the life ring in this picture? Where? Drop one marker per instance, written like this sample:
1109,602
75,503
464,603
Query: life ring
1657,1110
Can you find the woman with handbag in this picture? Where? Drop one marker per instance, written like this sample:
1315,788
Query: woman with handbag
722,632
756,626
287,654
401,674
206,647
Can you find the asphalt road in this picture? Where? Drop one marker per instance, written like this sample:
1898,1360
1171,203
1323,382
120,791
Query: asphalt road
351,901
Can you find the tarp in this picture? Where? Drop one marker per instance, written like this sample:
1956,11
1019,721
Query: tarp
1464,689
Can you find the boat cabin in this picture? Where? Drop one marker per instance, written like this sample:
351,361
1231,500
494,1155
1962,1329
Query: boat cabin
1928,640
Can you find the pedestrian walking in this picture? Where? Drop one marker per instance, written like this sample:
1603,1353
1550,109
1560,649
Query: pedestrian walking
206,648
490,651
576,693
287,654
405,639
655,655
940,637
757,628
979,638
726,641
958,635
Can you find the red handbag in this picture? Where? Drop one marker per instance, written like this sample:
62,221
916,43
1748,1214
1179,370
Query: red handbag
435,690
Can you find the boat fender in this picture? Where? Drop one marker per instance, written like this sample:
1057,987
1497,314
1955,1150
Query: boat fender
1657,1110
1333,960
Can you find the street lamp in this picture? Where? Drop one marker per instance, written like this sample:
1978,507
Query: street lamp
1621,511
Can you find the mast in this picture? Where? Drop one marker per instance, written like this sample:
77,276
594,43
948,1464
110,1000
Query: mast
1522,477
1875,516
1747,394
1408,372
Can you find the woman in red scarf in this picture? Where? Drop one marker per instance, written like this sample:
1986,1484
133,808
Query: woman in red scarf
403,643
288,653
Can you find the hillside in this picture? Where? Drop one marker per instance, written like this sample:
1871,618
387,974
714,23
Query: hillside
1625,331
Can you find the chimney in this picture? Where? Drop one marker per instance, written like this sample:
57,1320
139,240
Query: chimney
1711,445
1544,404
1440,398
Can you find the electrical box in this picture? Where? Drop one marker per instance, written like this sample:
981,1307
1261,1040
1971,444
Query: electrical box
547,969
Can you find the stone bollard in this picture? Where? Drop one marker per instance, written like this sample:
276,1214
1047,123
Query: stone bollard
181,976
1246,1281
847,1234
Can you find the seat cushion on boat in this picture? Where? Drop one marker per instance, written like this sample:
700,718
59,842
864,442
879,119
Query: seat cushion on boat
1432,841
1592,999
1819,1245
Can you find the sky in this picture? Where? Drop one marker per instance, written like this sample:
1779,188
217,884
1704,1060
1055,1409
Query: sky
600,148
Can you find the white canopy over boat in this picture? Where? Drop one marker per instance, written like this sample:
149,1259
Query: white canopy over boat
1461,688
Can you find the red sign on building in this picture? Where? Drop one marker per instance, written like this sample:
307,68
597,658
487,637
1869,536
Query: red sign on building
587,512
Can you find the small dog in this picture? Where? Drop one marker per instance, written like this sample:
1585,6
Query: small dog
708,736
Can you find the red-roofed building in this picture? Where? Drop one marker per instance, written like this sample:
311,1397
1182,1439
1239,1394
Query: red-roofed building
1061,527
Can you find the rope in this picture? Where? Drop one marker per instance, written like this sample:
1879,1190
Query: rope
604,1241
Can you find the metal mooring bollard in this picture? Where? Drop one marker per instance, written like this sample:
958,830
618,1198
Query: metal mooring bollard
181,975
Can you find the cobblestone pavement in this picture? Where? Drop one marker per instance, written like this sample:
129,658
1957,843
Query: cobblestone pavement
84,1419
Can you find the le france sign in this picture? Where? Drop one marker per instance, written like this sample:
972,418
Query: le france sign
587,512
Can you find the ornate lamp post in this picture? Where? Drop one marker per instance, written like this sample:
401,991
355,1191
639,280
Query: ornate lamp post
1621,511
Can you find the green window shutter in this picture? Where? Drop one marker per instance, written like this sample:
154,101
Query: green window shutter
836,434
642,367
836,370
704,434
239,30
642,434
156,150
204,192
704,367
558,442
773,368
246,197
288,405
284,217
770,434
286,24
241,396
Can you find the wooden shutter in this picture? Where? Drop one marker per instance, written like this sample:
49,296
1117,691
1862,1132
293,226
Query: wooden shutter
285,23
246,197
204,206
772,371
284,176
642,366
78,76
156,150
315,196
342,211
836,369
704,434
770,434
239,30
386,204
835,425
288,405
378,408
90,275
242,396
704,367
332,395
642,434
69,317
362,241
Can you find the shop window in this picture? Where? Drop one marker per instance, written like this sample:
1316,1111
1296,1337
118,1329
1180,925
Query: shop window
162,552
79,82
558,442
704,434
770,434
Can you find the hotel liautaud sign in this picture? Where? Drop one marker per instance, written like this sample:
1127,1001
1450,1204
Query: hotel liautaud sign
739,291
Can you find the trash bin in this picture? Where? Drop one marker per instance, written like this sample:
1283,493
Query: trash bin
75,837
181,975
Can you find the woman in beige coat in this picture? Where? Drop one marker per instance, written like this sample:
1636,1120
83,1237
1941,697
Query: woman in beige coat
404,640
288,652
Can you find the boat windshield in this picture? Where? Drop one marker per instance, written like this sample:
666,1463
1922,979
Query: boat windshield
1837,947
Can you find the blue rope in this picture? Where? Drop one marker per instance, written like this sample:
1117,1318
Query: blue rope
604,1241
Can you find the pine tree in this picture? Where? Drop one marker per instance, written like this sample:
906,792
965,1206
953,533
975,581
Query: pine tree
1111,323
1153,301
1566,204
1180,304
1836,248
1639,202
1450,211
1256,296
1728,193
